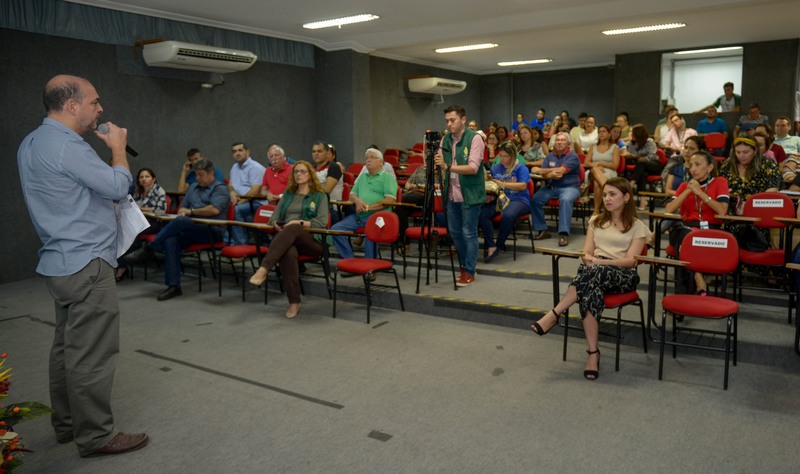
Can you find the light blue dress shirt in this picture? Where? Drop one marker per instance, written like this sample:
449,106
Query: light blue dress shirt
69,191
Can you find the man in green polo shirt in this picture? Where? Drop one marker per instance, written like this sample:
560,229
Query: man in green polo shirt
369,190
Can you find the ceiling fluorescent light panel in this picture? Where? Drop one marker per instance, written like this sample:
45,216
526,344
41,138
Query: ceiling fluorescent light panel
348,20
471,47
643,29
525,62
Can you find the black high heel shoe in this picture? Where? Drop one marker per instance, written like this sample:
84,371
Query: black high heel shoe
593,374
537,329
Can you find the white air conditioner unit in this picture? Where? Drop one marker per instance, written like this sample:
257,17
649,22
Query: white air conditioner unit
197,57
436,85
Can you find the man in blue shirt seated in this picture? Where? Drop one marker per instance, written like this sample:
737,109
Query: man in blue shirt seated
187,177
69,191
561,170
712,123
207,199
540,120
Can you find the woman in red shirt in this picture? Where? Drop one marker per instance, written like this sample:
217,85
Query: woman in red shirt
699,201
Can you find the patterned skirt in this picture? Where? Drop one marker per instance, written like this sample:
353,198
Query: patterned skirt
593,282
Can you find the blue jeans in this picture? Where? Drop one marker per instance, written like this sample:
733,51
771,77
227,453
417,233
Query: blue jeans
511,213
177,235
566,197
462,223
243,213
351,223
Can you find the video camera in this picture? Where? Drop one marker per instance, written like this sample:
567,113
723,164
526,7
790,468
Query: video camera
432,139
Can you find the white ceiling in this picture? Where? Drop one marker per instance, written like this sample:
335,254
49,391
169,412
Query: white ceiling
568,31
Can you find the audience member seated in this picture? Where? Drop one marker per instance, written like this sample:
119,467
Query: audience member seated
748,173
677,168
490,152
473,125
533,148
643,149
664,125
616,134
561,170
188,178
678,135
576,130
304,205
540,121
246,177
276,176
149,195
790,145
329,175
747,123
712,123
566,119
601,163
698,201
502,134
588,137
775,150
208,199
512,177
622,122
764,146
565,128
614,239
369,191
519,120
551,128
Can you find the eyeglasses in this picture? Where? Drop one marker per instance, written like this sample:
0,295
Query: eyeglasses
301,171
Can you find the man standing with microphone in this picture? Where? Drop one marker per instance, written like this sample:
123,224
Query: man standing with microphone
69,191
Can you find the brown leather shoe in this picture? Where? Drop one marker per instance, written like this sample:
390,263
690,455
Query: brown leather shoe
541,235
563,240
121,444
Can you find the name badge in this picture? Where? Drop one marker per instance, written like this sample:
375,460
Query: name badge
704,225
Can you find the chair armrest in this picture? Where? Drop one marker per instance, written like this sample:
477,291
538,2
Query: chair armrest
793,266
728,218
788,220
252,225
332,232
663,215
661,261
343,203
560,252
653,194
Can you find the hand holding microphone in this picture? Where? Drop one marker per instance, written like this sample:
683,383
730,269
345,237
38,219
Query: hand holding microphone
105,128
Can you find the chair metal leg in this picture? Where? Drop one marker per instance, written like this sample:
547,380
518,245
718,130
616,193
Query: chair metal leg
369,295
335,288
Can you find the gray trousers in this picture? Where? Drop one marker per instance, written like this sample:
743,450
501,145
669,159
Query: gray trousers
83,356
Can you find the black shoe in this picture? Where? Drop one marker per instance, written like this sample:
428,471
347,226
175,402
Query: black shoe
169,293
138,257
593,374
491,257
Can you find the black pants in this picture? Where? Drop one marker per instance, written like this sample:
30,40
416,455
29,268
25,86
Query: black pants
643,170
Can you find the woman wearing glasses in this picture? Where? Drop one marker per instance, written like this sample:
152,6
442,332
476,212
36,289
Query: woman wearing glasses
304,205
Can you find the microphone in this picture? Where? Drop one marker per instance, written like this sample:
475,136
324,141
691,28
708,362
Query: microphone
103,129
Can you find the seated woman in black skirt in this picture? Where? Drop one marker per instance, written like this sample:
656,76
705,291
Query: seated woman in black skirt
614,239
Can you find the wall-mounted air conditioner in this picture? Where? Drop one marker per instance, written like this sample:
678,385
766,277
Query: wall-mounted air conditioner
197,57
436,85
